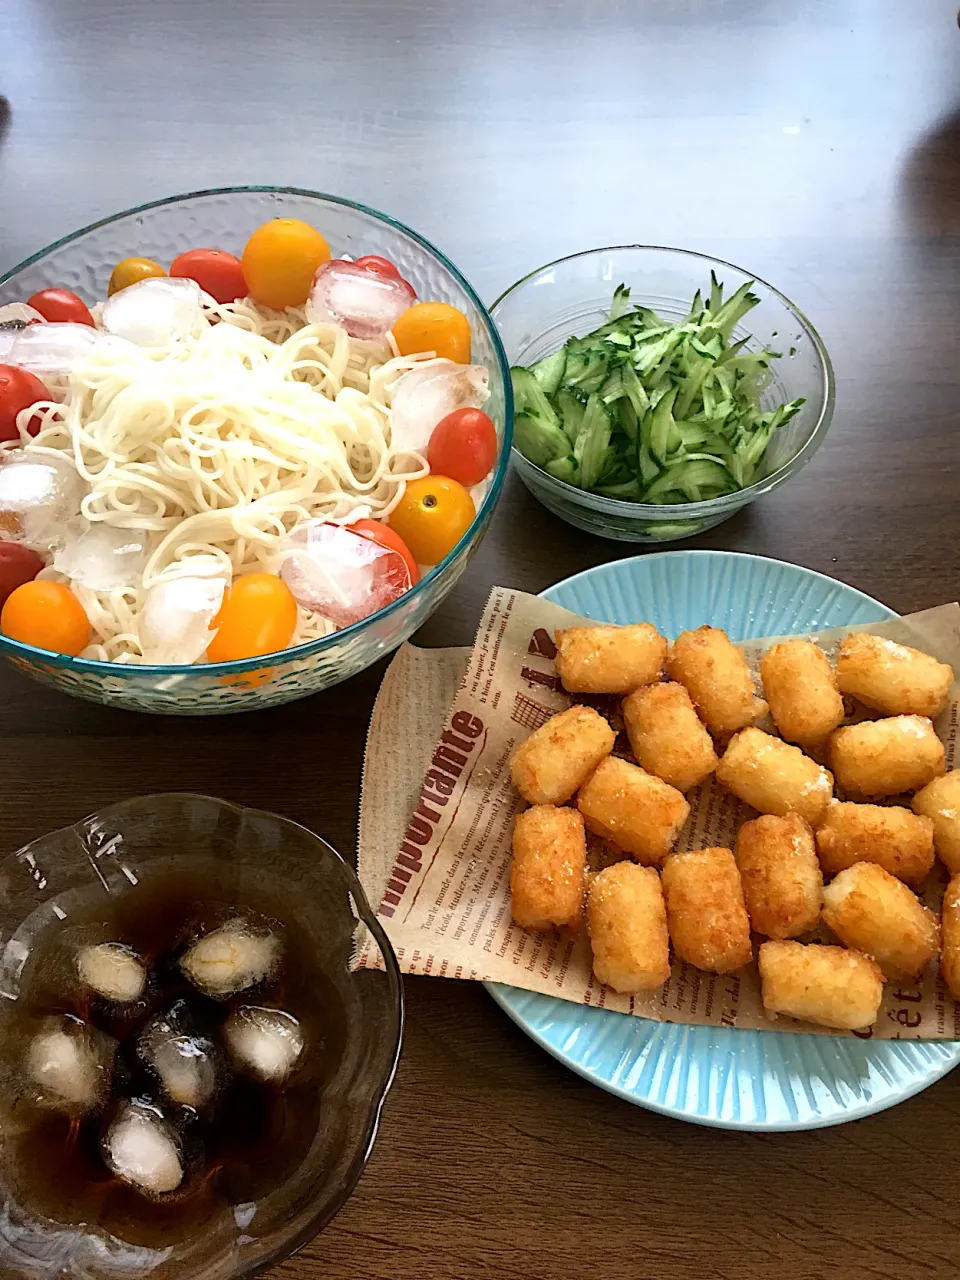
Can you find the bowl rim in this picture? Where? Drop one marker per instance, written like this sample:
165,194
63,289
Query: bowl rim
125,670
391,970
725,503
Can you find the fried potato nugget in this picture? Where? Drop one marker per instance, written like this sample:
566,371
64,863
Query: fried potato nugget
816,983
706,915
894,838
553,762
627,922
548,870
632,809
950,942
610,659
799,684
715,674
885,757
775,777
892,678
940,802
667,735
782,884
873,912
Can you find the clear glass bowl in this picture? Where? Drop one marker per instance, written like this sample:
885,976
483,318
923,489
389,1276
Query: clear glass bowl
253,856
225,218
572,296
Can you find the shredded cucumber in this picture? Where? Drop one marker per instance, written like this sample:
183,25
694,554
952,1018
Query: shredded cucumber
650,411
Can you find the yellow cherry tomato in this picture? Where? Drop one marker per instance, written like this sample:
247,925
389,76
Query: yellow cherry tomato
258,615
434,326
132,271
432,516
48,615
280,261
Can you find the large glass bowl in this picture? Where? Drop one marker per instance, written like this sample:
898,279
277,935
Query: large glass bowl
225,218
290,873
572,296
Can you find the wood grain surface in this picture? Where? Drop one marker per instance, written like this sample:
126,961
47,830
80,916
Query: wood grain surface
817,142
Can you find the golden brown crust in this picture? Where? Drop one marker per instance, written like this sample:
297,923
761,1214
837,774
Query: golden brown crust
892,678
886,757
667,736
715,674
706,915
950,941
553,762
548,868
939,801
775,777
894,838
816,983
873,912
627,921
609,659
782,884
799,685
632,809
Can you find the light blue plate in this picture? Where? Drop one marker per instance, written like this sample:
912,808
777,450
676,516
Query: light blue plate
719,1076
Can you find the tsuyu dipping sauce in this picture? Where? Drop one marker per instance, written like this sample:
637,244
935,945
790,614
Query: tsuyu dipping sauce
166,1057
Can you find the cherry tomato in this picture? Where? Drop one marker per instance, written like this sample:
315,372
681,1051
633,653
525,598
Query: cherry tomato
432,516
434,326
379,266
216,272
18,564
60,306
280,261
19,389
463,446
47,615
258,615
377,531
132,271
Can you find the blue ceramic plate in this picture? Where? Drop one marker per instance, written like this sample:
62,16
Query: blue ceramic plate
718,1076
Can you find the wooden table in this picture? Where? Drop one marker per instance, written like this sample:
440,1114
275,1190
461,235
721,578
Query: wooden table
815,141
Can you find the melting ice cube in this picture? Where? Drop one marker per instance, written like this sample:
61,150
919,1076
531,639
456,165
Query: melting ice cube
365,304
101,557
14,318
231,958
153,312
113,971
267,1043
141,1149
42,494
185,1062
57,349
339,574
71,1063
176,617
425,394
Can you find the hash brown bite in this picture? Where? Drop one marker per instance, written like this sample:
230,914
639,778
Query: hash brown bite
716,675
706,914
819,983
878,758
892,678
893,837
609,659
548,868
667,736
556,759
782,883
627,923
632,809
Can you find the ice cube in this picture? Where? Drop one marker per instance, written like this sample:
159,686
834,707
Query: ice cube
71,1063
58,349
155,311
43,495
184,1061
14,318
101,557
231,958
113,971
339,574
427,393
267,1043
142,1150
365,304
176,616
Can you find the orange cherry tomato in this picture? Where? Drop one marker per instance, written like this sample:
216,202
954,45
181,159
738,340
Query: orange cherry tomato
132,271
432,516
18,564
258,615
377,531
463,446
379,266
280,261
19,389
60,306
216,272
47,615
434,326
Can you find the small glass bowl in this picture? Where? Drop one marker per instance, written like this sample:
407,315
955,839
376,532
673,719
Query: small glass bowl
226,217
572,296
251,856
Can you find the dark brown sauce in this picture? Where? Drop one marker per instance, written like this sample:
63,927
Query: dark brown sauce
243,1145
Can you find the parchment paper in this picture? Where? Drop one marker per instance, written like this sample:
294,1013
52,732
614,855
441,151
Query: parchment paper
437,810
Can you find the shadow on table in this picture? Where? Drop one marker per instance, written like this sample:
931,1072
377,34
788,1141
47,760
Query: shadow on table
929,183
4,117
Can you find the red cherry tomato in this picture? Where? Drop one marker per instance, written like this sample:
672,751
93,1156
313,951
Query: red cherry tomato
60,306
377,531
18,390
463,446
379,266
18,564
216,272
